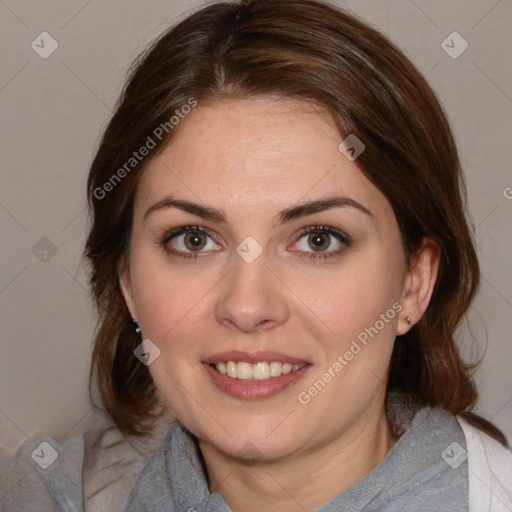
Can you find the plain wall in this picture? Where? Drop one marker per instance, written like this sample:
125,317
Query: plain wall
52,113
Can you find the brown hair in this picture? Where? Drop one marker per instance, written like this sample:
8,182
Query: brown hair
312,51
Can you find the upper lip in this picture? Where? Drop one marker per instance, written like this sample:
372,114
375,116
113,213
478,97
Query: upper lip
252,357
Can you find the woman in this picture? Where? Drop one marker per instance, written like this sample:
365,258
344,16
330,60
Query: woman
277,209
280,256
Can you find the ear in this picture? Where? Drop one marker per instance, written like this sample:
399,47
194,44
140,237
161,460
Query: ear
419,284
126,290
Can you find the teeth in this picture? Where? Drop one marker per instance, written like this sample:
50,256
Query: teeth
276,368
231,369
258,371
244,370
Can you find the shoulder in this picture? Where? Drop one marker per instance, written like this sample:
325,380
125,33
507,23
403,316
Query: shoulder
42,475
489,471
90,472
112,463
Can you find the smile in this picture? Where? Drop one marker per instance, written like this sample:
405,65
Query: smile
260,371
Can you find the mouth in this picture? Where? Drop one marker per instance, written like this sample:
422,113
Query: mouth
262,370
254,376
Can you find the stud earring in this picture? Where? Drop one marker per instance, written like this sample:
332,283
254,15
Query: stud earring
408,320
137,328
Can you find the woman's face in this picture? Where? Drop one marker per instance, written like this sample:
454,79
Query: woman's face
273,276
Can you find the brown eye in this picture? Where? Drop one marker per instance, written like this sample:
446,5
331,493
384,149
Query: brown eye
195,241
319,241
188,241
315,241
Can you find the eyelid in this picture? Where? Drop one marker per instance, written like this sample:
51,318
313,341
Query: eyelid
337,233
187,228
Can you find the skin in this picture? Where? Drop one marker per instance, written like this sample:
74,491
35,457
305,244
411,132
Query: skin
253,158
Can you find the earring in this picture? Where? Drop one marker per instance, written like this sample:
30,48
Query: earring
408,320
137,328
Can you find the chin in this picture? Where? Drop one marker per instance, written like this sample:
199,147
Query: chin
252,440
252,451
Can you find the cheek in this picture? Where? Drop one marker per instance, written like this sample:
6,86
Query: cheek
166,295
173,306
352,298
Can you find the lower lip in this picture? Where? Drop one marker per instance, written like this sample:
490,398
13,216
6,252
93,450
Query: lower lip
255,389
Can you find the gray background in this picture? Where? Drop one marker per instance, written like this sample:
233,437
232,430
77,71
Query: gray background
53,110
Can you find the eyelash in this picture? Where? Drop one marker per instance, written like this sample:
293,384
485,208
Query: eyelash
320,229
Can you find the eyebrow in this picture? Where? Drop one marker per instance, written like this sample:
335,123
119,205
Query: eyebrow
292,213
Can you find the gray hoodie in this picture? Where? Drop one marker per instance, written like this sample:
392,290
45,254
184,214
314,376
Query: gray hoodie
426,470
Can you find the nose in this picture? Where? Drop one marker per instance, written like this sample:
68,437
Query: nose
252,297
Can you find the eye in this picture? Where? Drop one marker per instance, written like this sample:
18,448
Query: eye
192,241
319,239
184,241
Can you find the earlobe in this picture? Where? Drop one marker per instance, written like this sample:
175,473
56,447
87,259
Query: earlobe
419,284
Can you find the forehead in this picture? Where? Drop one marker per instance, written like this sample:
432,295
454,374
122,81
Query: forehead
259,155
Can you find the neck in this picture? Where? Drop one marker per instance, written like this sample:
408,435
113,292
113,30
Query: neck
305,480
